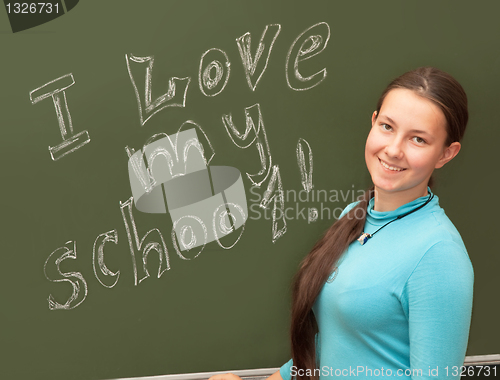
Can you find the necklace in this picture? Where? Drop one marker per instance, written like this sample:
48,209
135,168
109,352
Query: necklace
363,238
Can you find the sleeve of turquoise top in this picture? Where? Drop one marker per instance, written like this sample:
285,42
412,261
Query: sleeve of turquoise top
285,370
438,297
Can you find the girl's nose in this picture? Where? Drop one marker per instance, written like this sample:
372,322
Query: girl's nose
393,149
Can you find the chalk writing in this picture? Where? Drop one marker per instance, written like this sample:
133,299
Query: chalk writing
142,67
56,90
151,241
185,185
309,43
101,271
255,132
305,173
172,172
195,227
212,84
219,226
215,67
274,191
53,273
254,66
312,215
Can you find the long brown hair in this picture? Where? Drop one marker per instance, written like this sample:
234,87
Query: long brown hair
428,82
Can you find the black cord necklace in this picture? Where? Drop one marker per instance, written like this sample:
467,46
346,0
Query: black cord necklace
363,238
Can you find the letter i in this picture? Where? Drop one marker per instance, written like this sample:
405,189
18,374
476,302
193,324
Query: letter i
55,89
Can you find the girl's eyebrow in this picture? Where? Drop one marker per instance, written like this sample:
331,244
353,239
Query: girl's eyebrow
411,131
390,120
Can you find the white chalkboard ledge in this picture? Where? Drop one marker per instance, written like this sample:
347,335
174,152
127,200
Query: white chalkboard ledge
263,373
482,360
247,374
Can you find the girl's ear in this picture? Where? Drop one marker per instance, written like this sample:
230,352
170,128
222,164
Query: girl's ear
448,154
374,117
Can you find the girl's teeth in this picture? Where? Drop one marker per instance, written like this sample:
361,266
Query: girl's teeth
390,167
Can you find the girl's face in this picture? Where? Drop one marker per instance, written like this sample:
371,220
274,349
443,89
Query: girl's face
406,143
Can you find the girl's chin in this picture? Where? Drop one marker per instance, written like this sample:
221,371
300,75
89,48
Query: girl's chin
386,189
386,185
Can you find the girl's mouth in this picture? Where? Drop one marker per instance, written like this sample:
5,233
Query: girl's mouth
390,168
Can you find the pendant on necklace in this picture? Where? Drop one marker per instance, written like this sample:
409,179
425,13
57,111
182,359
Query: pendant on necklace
364,238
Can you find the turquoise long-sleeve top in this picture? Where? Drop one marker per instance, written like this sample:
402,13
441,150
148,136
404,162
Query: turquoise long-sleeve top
399,305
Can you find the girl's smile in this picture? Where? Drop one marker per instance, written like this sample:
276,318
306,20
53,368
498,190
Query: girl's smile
391,168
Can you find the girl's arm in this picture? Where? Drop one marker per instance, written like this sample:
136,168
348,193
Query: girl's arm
230,376
438,297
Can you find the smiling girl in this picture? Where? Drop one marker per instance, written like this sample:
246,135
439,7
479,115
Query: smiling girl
387,291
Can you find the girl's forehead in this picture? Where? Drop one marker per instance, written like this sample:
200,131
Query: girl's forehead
406,108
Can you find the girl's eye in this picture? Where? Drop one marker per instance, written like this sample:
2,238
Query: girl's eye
386,127
419,140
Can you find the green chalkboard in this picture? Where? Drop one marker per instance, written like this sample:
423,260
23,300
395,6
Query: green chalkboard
77,301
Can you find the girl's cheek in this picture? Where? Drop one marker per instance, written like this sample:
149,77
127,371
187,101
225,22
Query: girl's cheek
372,139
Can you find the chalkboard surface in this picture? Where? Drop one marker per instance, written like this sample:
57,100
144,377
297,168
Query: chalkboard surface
262,103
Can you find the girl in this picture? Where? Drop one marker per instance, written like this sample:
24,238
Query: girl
388,289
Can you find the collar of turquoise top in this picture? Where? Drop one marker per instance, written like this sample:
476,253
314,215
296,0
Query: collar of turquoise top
381,217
